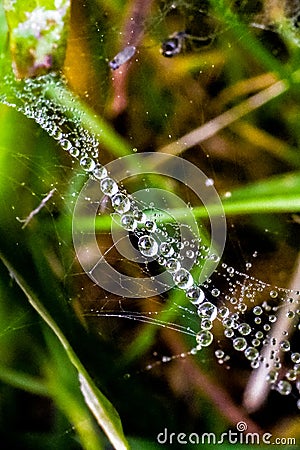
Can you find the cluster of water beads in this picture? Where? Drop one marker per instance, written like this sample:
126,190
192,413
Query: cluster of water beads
30,97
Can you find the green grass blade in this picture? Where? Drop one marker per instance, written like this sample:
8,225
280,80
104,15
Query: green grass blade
104,412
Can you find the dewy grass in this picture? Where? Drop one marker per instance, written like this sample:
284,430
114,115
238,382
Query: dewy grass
239,309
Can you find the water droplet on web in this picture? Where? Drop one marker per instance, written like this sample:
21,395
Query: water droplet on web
99,172
74,151
183,279
215,292
166,249
207,310
239,344
204,338
87,163
285,346
219,353
251,353
65,144
195,295
172,265
148,246
128,222
244,329
109,187
150,226
120,203
284,387
295,357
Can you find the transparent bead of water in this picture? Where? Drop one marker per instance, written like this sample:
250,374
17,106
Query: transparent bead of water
255,364
204,338
257,310
244,329
259,335
228,322
195,295
291,375
284,387
65,144
273,294
295,357
272,376
183,279
128,222
223,312
74,151
172,265
290,314
87,163
219,354
251,353
190,254
120,203
285,346
206,324
239,344
215,292
272,318
57,134
108,186
99,172
229,333
148,246
207,310
139,216
166,249
150,226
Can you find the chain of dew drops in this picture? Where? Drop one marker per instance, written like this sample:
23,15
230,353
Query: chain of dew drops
30,98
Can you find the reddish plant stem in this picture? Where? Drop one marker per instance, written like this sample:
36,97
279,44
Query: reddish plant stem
132,34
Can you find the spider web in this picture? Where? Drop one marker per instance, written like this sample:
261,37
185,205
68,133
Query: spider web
254,284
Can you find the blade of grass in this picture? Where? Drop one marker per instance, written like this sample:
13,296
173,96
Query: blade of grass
104,412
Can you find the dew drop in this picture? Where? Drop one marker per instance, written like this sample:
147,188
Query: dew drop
74,151
239,344
87,163
65,144
251,353
148,246
284,387
120,203
99,172
172,265
195,295
128,222
183,279
285,346
244,329
207,310
204,338
295,357
166,249
108,186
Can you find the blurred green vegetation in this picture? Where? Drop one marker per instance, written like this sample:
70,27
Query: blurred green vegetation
254,163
